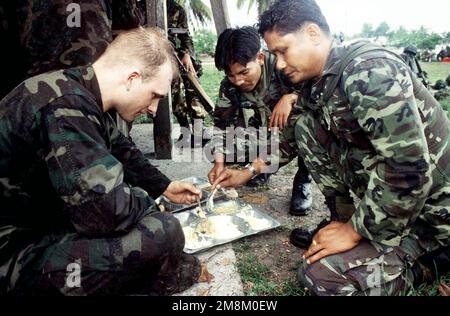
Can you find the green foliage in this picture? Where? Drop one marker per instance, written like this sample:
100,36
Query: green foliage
382,29
420,38
262,5
367,30
205,42
197,9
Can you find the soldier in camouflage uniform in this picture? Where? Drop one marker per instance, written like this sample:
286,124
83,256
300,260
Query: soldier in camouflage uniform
185,107
77,194
371,127
253,95
411,59
50,38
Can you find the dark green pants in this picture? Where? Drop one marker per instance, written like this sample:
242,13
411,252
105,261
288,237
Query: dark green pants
75,265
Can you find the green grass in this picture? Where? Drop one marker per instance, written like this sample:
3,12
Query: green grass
436,71
210,80
255,276
430,290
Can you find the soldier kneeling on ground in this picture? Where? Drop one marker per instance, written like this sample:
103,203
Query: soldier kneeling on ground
254,96
75,192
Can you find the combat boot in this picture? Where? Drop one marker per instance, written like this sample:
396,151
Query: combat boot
301,200
186,275
259,180
341,208
302,238
428,268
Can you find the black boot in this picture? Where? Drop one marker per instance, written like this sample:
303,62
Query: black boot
262,179
301,200
302,238
427,268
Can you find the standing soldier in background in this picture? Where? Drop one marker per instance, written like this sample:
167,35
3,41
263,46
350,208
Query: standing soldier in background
62,34
186,108
411,59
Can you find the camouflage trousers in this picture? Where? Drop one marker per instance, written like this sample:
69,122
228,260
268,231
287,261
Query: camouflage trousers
370,268
185,104
148,260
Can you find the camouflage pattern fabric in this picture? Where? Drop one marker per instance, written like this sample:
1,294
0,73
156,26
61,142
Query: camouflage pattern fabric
238,110
65,168
186,106
413,63
383,136
144,261
50,43
128,14
370,269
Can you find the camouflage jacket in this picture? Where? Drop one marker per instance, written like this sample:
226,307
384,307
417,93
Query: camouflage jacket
50,42
396,141
177,18
64,167
237,109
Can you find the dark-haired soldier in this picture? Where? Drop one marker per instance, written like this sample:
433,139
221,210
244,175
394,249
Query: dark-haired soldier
369,126
253,96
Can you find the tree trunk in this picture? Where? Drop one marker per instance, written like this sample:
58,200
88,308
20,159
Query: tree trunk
220,13
162,127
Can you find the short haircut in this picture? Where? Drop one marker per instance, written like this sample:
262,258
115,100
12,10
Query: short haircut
239,45
289,16
148,48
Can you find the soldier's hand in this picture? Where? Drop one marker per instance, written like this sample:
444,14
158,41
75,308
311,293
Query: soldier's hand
187,62
218,168
182,193
230,178
333,239
281,112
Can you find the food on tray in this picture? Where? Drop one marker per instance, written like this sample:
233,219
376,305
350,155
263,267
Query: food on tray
254,222
231,193
215,227
224,227
200,212
227,208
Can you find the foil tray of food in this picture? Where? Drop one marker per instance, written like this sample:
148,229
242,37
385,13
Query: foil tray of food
166,206
229,220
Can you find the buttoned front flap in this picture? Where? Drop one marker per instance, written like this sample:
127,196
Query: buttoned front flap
343,123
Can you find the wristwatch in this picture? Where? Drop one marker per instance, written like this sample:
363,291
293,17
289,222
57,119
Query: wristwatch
252,170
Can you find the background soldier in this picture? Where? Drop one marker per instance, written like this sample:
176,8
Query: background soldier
253,95
410,57
186,108
365,130
73,190
51,39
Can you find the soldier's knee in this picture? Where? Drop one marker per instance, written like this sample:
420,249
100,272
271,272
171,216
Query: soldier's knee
320,279
165,231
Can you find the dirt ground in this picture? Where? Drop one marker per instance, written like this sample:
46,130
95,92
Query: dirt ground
268,263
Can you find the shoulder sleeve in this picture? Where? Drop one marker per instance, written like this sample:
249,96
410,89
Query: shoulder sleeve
84,173
381,94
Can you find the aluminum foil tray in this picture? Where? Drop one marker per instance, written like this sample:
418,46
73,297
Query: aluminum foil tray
166,206
230,220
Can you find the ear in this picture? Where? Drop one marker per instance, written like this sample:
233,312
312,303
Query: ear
132,77
314,33
260,58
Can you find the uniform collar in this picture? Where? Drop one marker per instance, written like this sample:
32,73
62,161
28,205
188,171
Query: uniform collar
86,76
